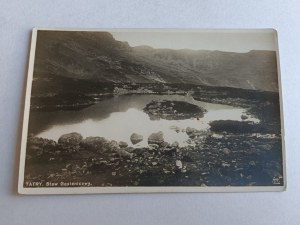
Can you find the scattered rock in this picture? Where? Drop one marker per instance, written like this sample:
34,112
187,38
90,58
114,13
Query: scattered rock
123,144
95,144
178,164
234,159
153,146
175,128
124,154
252,163
129,149
192,132
244,117
169,151
218,136
187,158
225,164
70,139
69,167
226,151
164,144
189,141
114,146
156,138
136,138
175,144
166,171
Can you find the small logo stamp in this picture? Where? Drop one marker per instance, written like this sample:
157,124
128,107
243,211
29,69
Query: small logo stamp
276,180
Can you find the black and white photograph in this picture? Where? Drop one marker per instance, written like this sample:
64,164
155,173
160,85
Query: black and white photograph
152,110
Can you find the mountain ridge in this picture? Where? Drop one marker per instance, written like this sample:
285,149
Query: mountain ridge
97,56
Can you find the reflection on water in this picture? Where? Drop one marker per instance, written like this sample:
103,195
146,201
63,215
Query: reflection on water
117,118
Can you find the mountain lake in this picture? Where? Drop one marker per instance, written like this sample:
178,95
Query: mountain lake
118,117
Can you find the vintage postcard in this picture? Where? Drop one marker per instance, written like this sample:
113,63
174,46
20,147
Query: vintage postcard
152,110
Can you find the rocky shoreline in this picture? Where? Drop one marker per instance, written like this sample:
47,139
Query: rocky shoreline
230,153
61,102
211,159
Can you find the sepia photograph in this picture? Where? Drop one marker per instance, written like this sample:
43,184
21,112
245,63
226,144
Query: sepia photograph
152,110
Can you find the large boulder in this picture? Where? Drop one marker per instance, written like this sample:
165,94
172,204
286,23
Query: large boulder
123,144
136,138
95,144
70,139
156,138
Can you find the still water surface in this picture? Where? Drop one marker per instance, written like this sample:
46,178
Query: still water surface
118,117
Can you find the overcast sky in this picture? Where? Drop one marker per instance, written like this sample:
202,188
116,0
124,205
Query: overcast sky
228,41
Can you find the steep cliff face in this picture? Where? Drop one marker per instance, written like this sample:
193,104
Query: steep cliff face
79,55
98,57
